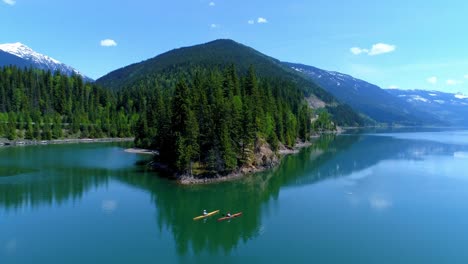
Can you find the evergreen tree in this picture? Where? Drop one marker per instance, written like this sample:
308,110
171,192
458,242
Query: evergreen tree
229,156
11,127
46,130
29,134
57,128
184,128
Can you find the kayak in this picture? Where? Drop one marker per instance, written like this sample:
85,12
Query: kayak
207,215
229,217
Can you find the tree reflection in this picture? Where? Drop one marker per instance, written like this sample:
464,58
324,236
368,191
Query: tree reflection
329,157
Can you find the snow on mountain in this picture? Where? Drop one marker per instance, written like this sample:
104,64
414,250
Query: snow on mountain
461,96
365,97
26,52
430,97
447,106
419,98
37,60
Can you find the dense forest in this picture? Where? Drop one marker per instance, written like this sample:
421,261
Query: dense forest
214,120
201,121
37,104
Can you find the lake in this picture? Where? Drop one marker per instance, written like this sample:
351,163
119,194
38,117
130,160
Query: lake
386,197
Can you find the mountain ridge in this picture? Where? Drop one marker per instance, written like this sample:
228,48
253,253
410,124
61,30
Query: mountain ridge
452,107
367,98
220,54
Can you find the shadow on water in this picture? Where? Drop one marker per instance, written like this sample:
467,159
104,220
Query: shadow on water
49,181
49,188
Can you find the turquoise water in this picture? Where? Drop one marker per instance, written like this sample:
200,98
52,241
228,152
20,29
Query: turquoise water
360,198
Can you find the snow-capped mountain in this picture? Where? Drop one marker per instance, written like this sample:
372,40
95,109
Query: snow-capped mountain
447,106
367,98
431,97
21,55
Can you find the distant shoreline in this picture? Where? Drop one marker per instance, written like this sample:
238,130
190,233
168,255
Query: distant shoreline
18,143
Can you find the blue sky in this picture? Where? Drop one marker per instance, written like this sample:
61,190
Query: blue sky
406,44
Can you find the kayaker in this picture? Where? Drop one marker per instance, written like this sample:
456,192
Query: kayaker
228,214
204,212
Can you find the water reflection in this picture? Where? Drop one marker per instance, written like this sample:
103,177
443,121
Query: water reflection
49,187
41,180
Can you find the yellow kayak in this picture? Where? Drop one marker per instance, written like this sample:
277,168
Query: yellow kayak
207,215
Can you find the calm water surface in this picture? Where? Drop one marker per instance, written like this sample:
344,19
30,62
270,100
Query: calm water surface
365,198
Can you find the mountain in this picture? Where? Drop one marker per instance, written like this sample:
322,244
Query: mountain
445,106
367,98
20,55
220,54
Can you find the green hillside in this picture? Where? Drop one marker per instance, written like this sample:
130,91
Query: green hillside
215,54
162,71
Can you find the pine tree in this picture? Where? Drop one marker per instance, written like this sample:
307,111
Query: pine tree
184,128
46,130
229,156
11,127
57,128
37,131
304,123
29,130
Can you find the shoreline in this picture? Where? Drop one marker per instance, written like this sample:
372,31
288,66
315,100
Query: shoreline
19,143
244,171
240,173
235,175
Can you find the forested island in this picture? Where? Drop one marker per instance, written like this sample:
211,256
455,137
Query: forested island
216,122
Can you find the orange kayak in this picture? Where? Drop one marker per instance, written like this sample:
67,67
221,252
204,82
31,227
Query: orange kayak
229,217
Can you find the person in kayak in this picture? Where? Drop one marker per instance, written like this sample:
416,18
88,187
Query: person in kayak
228,214
204,212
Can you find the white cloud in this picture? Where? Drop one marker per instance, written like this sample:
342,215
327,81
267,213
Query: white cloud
9,2
109,206
381,48
453,82
393,87
432,80
262,20
212,4
108,43
377,49
251,22
214,26
357,51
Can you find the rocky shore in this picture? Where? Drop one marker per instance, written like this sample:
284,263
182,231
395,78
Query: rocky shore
265,159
